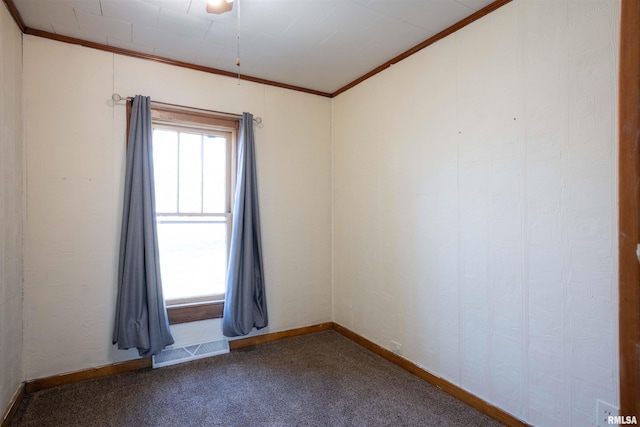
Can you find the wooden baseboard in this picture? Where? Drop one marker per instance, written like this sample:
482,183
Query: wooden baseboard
87,374
450,388
14,403
145,363
275,336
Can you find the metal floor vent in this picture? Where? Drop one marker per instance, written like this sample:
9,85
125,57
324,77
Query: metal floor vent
172,356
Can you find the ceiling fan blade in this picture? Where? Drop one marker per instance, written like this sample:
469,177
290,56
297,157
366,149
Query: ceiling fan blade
219,7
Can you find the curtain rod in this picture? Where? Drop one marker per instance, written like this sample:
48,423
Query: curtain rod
117,98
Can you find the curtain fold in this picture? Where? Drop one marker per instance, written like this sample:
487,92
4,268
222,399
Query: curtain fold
141,316
245,305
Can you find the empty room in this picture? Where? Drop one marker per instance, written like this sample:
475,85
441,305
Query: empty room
319,212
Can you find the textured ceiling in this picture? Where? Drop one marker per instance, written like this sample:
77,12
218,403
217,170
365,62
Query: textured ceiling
321,45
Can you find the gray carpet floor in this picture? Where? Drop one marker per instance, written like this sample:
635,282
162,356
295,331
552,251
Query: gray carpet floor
322,379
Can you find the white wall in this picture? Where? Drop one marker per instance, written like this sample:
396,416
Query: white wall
474,205
75,139
475,209
11,208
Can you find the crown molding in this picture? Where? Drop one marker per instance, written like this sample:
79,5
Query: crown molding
450,30
431,40
15,15
134,54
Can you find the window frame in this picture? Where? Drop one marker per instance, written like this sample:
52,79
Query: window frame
210,307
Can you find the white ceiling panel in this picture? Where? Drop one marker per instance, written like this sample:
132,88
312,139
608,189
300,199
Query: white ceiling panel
183,24
473,4
253,22
156,38
42,15
90,6
404,37
180,6
314,11
406,11
320,45
224,34
134,11
351,17
444,14
307,33
103,26
198,47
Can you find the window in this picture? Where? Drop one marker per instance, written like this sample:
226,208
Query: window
194,167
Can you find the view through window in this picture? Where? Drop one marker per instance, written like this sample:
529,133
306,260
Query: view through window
193,170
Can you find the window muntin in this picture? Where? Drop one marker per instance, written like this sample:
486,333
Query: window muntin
193,170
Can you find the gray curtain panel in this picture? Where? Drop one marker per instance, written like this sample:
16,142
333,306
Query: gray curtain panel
141,315
245,305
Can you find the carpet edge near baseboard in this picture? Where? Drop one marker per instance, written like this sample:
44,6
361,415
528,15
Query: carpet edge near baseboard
275,336
444,385
38,384
145,363
13,406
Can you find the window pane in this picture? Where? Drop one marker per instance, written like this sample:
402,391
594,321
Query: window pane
191,171
190,196
165,166
215,174
193,258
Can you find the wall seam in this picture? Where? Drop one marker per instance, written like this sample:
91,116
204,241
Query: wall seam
333,212
521,124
